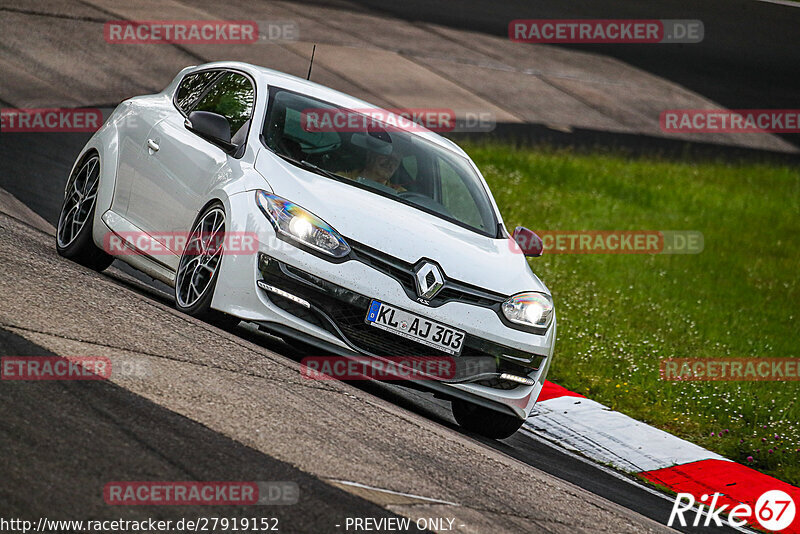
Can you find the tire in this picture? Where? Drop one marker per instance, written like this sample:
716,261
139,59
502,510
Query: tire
74,233
198,269
485,421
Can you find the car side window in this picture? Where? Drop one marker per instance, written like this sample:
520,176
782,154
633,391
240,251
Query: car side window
232,97
192,88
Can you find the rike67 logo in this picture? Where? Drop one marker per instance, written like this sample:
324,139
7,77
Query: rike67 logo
774,510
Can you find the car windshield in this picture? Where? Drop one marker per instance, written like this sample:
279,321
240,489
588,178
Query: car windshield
356,148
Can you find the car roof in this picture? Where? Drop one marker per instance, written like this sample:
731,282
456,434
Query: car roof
287,81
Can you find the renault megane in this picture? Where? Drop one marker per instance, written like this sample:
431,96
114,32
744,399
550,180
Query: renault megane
376,242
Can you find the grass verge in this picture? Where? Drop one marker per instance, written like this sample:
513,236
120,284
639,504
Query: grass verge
620,315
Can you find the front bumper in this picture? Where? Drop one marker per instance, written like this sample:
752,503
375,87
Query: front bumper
339,295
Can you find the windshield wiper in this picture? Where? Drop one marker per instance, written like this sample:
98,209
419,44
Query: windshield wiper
320,170
309,166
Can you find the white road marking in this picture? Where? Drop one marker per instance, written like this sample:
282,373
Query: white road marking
786,3
399,493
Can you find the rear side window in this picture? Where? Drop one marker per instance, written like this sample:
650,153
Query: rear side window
192,88
232,97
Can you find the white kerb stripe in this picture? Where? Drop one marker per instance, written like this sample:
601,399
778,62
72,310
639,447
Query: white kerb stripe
610,437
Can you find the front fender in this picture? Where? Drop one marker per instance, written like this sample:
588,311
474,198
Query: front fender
106,143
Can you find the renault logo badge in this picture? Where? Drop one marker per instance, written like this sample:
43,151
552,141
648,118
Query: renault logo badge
429,280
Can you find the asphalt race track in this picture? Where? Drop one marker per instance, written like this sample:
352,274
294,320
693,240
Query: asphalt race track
76,434
745,61
218,405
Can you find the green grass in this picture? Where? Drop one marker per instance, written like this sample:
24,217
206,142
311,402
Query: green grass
619,315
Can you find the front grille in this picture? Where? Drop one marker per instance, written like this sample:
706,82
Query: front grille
342,312
349,323
403,272
350,320
376,341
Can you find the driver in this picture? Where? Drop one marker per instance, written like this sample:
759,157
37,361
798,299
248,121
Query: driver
382,160
380,168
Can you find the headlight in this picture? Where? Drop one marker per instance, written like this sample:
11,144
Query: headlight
292,221
529,309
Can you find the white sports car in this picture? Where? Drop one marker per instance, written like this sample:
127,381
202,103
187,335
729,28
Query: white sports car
382,242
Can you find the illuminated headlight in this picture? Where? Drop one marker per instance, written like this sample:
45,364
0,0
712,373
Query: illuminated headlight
529,309
294,222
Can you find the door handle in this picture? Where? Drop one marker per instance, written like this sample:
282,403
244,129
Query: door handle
152,145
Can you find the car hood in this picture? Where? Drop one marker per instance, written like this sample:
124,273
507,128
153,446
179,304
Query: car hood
402,231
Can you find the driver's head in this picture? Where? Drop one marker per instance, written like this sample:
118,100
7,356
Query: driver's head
381,167
382,153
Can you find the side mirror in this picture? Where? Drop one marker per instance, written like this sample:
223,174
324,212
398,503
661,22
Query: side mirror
212,127
530,243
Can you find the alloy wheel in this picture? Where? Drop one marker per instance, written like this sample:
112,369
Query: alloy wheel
78,201
201,258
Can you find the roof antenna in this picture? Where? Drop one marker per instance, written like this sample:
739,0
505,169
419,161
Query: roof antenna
311,63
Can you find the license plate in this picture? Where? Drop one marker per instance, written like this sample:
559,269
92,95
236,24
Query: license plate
415,328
